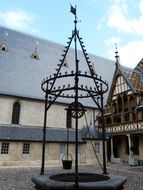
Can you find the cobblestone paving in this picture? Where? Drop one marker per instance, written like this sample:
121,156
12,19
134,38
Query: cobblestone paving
20,178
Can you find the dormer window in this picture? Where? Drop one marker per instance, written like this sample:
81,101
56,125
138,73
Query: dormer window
35,55
3,47
92,71
65,64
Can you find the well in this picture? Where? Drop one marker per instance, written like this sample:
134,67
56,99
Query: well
86,181
77,90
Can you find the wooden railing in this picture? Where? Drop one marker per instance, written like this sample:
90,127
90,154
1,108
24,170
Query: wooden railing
123,127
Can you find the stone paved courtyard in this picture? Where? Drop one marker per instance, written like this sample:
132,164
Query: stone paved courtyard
20,178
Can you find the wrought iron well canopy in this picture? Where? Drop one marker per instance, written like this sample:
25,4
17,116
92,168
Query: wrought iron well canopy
76,89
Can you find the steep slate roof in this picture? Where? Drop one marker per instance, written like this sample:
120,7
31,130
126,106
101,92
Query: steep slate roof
20,75
28,133
90,132
25,133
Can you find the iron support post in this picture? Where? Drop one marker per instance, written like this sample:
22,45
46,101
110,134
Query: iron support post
76,108
44,135
103,133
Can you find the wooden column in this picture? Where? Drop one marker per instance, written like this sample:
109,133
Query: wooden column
112,152
122,114
129,142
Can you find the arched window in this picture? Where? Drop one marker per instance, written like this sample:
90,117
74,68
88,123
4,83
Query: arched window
16,113
69,119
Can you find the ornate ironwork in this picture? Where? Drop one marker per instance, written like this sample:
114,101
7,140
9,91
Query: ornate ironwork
56,87
80,107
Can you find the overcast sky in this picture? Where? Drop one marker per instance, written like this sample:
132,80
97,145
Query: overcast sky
103,23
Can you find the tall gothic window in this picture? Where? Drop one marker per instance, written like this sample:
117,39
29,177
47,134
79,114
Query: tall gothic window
69,119
16,113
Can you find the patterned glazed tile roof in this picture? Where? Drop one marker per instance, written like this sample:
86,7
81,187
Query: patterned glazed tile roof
21,75
134,77
138,77
139,67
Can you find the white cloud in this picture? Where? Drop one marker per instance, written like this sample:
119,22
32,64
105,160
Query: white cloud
141,6
130,54
118,18
112,41
100,22
17,19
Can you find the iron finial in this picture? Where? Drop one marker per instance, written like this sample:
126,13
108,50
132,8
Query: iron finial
116,54
5,36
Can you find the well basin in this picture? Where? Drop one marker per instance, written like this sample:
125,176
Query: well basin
82,177
86,181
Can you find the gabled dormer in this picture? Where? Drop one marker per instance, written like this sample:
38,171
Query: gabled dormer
121,81
3,45
35,54
65,64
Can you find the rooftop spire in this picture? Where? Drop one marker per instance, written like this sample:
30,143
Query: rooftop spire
116,55
5,36
37,43
91,120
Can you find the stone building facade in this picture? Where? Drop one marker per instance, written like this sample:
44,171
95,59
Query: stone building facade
24,64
